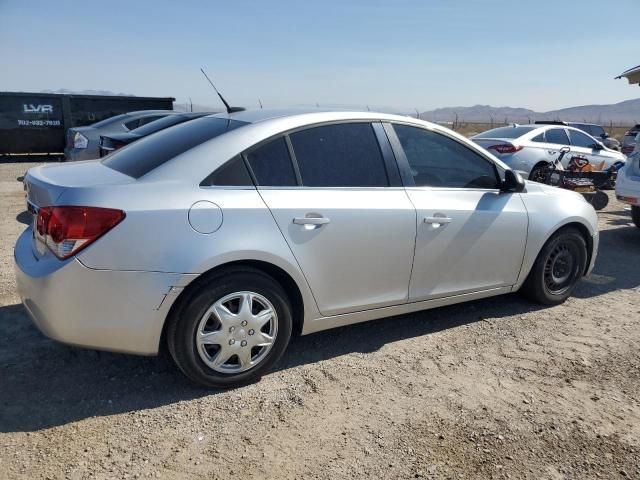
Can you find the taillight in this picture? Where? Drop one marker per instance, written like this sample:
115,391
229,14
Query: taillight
80,141
67,230
505,148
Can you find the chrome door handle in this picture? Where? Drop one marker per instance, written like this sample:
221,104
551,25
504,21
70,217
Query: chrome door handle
311,221
437,220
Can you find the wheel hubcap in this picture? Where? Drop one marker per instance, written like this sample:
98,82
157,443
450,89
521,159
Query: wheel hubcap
237,332
559,269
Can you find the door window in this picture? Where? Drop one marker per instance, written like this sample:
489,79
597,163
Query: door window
579,139
271,164
341,155
439,161
557,136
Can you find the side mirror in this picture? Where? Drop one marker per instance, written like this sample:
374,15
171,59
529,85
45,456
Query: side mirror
512,182
604,135
597,146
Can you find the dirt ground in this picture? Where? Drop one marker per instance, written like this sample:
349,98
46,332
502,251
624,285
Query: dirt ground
498,388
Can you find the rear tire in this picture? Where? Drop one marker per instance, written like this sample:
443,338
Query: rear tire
635,216
558,268
218,344
599,200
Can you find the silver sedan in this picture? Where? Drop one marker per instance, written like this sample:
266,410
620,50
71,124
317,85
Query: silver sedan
223,236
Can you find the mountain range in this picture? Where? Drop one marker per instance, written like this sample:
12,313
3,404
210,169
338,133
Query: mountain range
625,113
622,113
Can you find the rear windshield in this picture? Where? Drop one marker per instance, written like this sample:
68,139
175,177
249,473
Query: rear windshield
505,132
110,120
157,125
148,153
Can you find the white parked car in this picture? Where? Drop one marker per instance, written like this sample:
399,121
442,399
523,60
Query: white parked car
529,149
628,183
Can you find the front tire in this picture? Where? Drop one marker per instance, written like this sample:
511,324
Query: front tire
231,329
539,173
635,216
558,268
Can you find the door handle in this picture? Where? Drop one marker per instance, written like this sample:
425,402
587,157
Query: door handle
437,221
314,221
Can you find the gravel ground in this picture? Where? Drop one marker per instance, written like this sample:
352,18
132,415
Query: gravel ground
498,388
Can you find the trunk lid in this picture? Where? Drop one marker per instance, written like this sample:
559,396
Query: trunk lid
45,184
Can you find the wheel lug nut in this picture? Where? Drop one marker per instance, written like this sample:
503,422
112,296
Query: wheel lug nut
243,343
251,332
231,329
244,323
232,341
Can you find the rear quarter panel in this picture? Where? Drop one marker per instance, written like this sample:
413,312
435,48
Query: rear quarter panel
157,236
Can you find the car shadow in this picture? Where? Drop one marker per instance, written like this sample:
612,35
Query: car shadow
617,263
45,384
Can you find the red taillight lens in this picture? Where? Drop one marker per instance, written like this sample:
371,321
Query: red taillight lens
67,230
505,148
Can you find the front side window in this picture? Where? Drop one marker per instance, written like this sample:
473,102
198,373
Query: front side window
439,161
579,139
557,136
341,155
271,164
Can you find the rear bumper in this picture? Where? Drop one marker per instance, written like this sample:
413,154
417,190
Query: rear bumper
104,309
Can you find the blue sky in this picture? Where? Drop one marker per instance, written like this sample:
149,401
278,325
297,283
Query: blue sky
397,54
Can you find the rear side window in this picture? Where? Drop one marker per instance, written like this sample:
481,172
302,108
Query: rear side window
439,161
557,136
234,173
146,154
341,155
271,164
539,138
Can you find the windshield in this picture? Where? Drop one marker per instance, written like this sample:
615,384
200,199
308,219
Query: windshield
505,132
148,153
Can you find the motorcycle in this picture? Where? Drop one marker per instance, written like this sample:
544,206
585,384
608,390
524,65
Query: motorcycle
580,176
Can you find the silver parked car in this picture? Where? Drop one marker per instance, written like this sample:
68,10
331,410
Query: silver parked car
224,235
529,149
83,143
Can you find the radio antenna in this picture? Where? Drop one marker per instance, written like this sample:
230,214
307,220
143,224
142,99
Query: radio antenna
229,108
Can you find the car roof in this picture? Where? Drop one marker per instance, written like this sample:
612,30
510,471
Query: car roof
261,115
